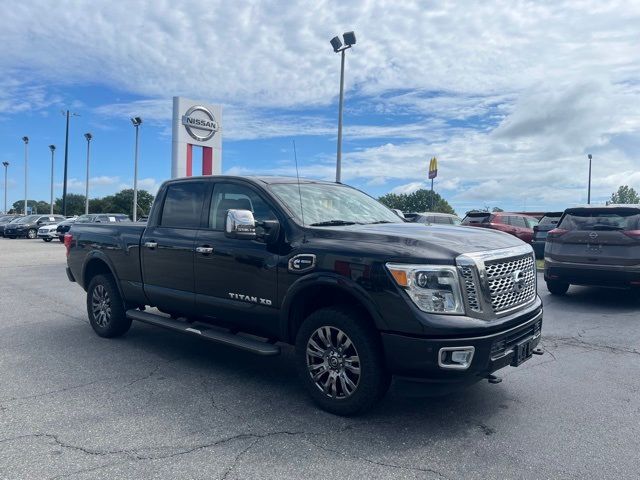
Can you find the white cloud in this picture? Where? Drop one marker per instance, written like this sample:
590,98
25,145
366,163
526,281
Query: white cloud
509,96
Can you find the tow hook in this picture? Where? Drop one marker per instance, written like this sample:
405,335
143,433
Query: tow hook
538,351
493,379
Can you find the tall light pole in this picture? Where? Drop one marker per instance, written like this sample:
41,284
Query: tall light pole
6,166
88,136
349,40
66,162
53,149
589,190
136,121
26,162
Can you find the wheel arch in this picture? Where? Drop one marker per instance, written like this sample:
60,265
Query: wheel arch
313,292
98,263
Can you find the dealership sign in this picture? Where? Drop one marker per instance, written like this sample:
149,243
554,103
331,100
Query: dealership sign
196,124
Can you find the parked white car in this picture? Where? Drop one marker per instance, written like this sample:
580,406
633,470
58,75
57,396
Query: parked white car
48,232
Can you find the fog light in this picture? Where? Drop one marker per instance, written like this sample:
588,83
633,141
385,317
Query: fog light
455,358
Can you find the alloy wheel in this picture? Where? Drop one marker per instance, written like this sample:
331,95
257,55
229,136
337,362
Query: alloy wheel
32,234
101,306
333,362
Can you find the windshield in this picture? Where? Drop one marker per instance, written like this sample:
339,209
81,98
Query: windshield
27,219
601,220
326,204
476,218
84,219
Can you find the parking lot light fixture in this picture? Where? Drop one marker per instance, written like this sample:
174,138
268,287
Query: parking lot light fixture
88,136
6,167
53,149
349,40
589,188
26,171
136,121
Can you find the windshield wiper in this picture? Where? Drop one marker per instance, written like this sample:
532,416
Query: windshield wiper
329,223
379,221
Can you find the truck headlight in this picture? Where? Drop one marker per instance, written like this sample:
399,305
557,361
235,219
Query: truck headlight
433,288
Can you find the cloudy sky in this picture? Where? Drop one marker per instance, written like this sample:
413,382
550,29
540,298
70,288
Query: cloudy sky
509,95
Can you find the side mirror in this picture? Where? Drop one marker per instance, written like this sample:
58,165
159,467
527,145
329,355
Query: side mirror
240,224
535,228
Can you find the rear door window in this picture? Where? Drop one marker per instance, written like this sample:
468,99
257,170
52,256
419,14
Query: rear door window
183,205
517,221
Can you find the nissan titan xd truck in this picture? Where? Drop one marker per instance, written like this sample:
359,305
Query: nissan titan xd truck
257,263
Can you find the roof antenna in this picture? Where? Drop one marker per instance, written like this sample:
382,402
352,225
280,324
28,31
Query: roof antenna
295,155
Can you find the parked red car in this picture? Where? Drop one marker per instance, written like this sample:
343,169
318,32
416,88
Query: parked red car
516,224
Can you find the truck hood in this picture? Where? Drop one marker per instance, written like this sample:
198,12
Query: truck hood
441,243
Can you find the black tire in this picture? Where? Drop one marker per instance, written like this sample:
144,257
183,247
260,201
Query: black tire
105,307
369,384
557,287
47,240
32,234
61,239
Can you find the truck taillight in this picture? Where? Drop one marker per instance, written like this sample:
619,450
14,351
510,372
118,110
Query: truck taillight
556,233
68,238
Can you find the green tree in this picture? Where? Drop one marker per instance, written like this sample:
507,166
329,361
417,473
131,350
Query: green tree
418,201
37,206
625,195
122,202
75,204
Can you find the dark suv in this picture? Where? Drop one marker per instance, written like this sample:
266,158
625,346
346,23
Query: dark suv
594,246
28,226
5,220
516,224
547,223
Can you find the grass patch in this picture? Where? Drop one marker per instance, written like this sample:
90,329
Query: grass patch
540,264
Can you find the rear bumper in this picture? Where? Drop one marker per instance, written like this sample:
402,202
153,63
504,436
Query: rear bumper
586,274
418,358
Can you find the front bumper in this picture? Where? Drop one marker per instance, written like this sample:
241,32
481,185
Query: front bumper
50,234
417,358
13,233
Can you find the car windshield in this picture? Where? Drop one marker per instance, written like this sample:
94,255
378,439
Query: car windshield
27,219
476,218
550,220
326,204
84,219
601,220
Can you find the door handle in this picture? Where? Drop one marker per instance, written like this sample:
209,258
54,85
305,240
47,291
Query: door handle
151,245
204,250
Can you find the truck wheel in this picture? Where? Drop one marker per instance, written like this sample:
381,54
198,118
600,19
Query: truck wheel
105,308
47,240
557,287
32,233
340,362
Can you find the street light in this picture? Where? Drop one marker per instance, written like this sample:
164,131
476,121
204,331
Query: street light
136,121
349,40
66,162
26,161
589,190
53,149
88,136
6,166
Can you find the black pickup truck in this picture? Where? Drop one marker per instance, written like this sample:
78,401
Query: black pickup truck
255,262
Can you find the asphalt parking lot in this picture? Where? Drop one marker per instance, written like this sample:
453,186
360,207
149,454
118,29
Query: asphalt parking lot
157,405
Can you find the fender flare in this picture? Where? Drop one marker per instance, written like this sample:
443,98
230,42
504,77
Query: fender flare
97,255
332,280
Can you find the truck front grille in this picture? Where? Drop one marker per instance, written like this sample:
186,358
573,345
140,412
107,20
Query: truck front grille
469,284
511,282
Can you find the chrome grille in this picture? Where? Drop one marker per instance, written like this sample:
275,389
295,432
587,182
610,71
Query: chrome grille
469,285
502,275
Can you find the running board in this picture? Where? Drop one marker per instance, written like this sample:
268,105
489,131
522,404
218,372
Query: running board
230,339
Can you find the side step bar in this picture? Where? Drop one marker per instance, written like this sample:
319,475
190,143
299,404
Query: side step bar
230,339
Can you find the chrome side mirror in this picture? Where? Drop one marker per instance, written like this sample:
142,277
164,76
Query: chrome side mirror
240,224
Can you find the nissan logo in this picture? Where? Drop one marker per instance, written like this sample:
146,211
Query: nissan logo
518,278
200,123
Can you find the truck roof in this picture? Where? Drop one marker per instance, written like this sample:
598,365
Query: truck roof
266,179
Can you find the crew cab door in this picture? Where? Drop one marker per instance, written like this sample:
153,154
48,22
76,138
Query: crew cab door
236,279
167,248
